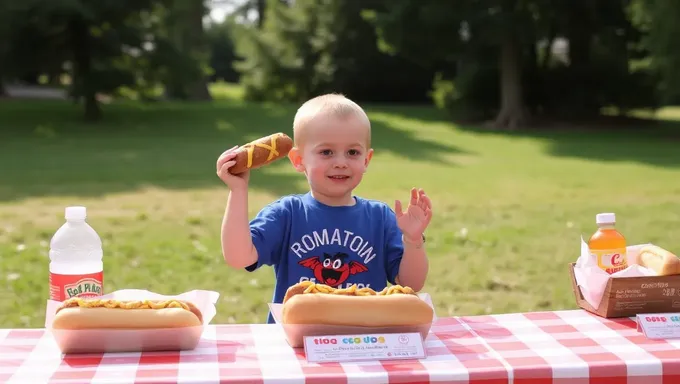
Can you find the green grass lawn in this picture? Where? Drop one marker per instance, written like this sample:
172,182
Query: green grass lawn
508,208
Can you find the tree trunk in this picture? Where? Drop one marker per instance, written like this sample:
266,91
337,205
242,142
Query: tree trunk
3,57
261,6
82,69
189,37
198,89
580,30
513,113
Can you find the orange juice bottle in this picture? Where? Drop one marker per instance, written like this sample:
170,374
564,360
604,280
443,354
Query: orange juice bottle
607,245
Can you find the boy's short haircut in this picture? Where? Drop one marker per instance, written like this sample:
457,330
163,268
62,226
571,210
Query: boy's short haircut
331,104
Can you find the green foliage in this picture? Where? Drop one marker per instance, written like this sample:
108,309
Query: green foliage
413,28
110,47
223,55
658,18
312,47
106,44
594,73
619,54
287,59
472,94
185,55
365,73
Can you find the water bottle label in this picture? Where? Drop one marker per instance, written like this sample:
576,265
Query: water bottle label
63,287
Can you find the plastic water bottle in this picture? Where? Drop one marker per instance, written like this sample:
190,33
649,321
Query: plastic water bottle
76,267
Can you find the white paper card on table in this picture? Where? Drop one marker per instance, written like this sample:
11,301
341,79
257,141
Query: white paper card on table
342,348
659,325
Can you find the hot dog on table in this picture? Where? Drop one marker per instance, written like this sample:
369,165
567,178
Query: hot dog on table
92,313
310,303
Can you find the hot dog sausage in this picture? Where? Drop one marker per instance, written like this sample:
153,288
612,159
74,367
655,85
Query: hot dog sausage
262,151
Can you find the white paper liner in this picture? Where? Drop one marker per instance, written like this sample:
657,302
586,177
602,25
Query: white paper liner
592,280
295,333
128,340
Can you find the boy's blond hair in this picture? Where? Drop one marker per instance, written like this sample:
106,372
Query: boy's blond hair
328,105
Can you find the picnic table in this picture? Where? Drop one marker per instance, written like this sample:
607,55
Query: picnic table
569,347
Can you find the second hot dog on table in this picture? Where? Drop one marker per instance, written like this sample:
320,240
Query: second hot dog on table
310,303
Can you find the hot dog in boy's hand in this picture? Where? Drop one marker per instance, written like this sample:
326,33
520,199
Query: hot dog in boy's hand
81,313
311,303
260,152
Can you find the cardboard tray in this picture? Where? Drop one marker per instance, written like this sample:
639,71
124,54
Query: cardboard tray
630,296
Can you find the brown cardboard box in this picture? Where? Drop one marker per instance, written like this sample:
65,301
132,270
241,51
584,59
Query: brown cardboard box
629,296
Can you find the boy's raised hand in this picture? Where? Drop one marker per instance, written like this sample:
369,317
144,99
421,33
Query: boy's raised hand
224,162
417,216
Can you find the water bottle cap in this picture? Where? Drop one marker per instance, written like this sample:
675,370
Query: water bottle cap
605,218
75,213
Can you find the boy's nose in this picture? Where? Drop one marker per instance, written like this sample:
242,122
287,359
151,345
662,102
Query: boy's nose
340,164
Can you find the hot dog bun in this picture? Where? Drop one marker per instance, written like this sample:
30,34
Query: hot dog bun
262,151
659,260
81,313
310,303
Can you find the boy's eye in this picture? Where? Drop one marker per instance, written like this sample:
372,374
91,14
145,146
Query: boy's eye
326,152
353,152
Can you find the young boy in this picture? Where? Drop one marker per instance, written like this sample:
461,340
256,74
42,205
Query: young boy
327,235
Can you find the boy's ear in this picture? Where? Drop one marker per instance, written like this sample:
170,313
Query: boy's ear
369,156
295,157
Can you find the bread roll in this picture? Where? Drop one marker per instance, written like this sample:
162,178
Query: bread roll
659,260
364,311
318,304
80,313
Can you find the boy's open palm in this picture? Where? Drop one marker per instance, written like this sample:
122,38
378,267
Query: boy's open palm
226,161
417,216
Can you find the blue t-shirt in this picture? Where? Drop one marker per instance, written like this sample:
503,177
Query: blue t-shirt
304,239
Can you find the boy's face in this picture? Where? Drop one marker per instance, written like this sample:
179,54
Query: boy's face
334,156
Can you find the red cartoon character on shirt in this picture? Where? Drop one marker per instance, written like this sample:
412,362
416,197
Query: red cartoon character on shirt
333,270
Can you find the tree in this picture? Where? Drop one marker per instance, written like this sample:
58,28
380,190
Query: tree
511,34
658,18
104,42
183,26
311,47
469,27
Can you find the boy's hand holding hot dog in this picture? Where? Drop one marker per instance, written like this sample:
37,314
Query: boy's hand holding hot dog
235,231
233,168
226,161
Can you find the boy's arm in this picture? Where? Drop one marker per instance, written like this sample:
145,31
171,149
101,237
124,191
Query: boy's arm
237,244
414,266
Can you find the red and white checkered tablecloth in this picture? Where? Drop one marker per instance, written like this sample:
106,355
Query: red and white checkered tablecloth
562,347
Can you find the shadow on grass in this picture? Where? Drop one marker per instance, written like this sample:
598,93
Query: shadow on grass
46,151
608,138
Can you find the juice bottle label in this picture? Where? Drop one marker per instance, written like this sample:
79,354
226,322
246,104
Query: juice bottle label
610,260
63,287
